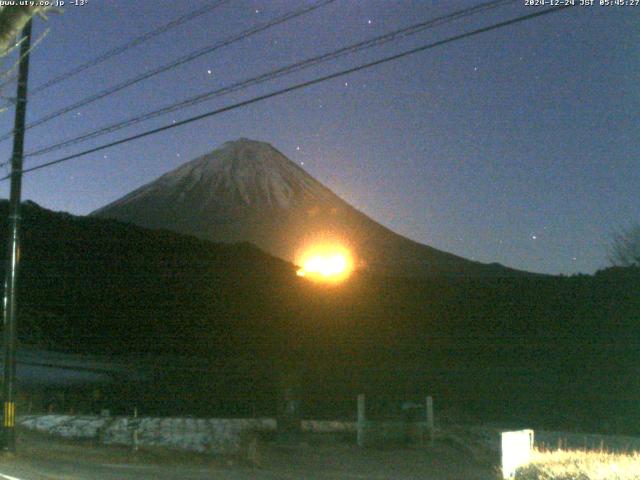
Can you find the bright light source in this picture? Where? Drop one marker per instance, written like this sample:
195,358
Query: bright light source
327,266
326,263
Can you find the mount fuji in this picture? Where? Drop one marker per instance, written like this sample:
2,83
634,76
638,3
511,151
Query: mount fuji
247,191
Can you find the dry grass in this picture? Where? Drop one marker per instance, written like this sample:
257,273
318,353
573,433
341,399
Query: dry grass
581,465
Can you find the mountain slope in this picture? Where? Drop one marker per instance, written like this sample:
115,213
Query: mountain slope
222,322
249,191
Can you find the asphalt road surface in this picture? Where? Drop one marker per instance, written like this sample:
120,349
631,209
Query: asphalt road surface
44,458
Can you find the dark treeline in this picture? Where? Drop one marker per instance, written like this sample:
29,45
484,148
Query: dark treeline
554,352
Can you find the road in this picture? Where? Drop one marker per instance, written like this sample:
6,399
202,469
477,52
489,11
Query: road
44,458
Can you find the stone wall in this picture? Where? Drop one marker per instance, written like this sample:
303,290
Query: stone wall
206,435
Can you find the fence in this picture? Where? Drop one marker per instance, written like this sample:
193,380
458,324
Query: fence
410,429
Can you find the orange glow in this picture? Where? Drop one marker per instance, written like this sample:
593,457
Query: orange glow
326,263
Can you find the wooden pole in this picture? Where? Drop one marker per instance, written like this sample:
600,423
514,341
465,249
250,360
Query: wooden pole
362,419
430,427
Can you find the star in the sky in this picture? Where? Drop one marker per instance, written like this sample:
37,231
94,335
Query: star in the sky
209,71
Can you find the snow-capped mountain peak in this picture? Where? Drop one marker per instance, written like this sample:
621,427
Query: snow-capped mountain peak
247,191
246,171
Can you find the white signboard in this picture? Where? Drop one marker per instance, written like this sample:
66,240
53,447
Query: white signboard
516,451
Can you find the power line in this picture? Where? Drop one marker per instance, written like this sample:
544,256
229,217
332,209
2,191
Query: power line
126,46
273,74
129,45
298,87
170,66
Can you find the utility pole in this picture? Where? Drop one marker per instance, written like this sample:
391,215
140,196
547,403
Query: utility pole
10,304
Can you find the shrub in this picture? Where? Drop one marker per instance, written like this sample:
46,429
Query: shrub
580,465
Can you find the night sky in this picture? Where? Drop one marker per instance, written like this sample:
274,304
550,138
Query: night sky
519,146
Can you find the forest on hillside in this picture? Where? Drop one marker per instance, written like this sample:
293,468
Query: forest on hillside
552,351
